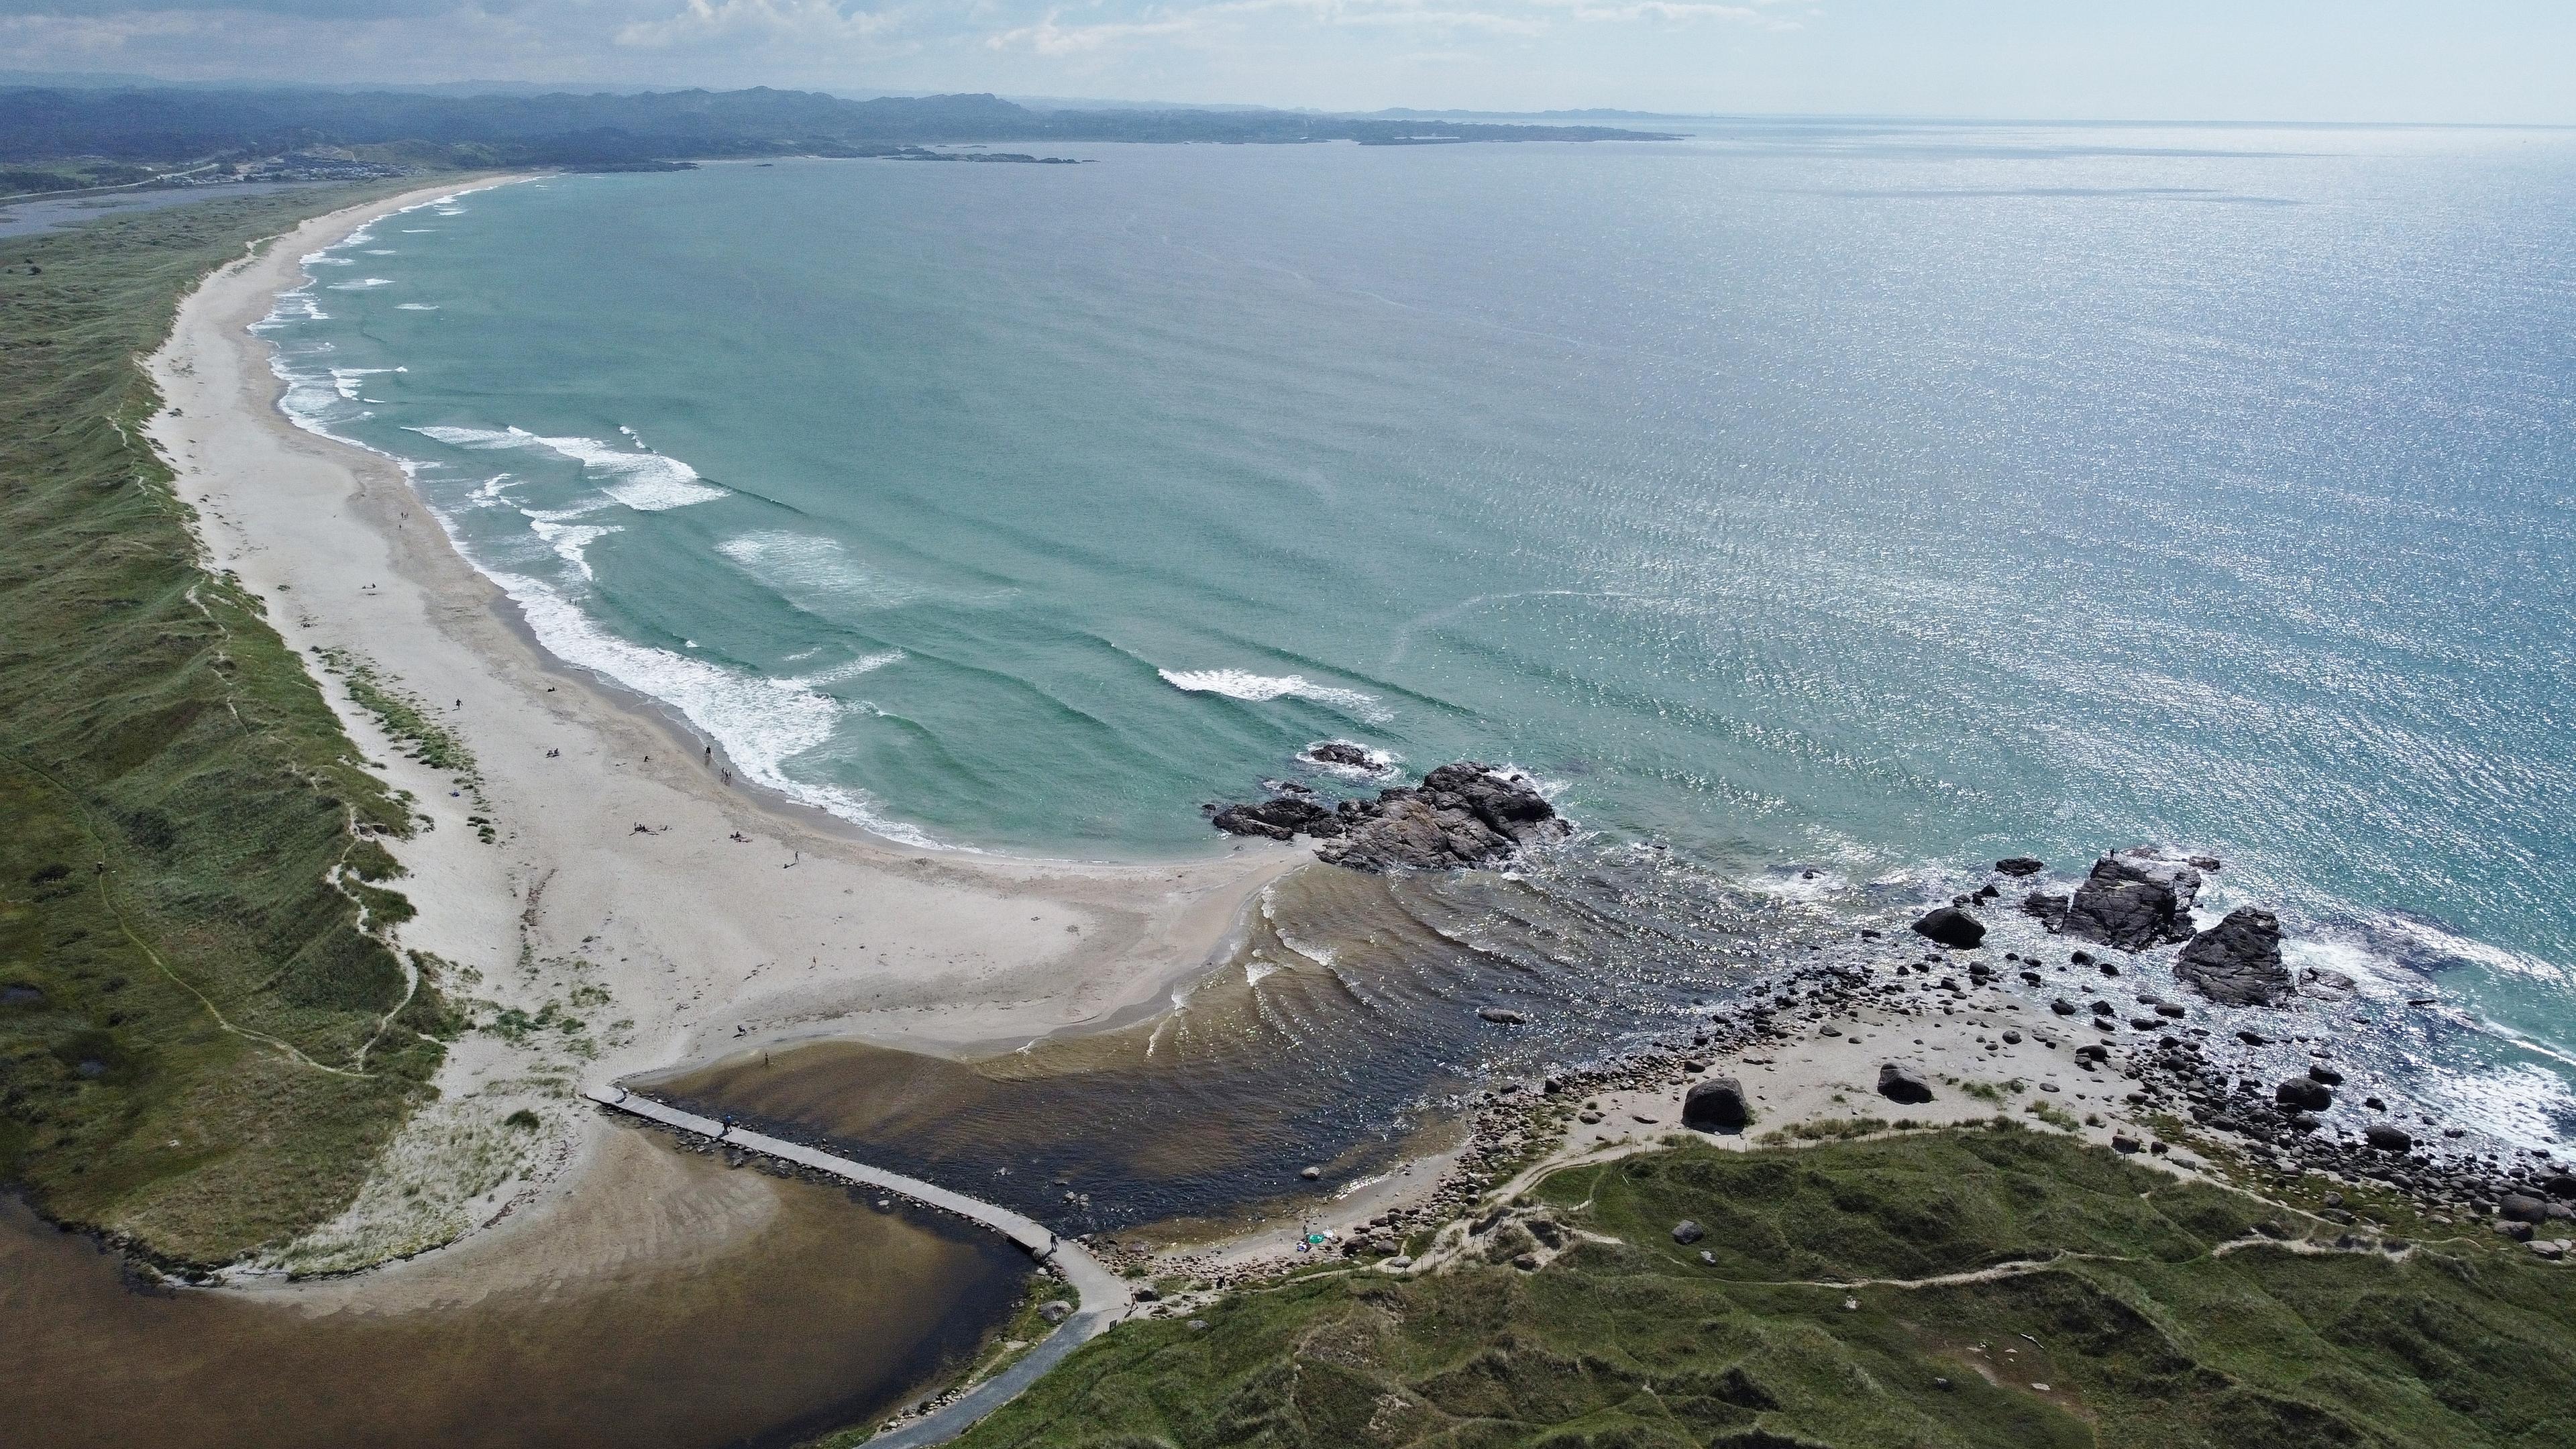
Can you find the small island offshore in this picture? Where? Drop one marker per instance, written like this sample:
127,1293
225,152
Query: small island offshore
413,1029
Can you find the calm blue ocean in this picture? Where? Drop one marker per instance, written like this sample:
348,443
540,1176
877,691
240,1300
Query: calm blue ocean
1867,498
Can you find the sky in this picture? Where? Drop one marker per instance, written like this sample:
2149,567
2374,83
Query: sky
2301,60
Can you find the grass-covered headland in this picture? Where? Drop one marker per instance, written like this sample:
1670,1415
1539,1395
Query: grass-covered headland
201,1048
1995,1286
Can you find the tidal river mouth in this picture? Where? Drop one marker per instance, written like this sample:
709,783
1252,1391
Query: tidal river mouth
826,1314
1362,1015
1343,1033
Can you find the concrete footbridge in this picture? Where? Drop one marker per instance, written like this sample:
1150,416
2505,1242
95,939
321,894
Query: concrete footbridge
1103,1296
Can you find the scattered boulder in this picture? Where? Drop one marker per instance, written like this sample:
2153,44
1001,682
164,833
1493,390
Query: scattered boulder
2133,900
1502,1016
2387,1138
1716,1105
1687,1232
1055,1311
1901,1084
1949,926
2020,865
1464,814
2304,1093
2522,1208
2320,1072
2237,961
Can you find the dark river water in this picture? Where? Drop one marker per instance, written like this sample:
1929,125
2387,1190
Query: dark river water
824,1316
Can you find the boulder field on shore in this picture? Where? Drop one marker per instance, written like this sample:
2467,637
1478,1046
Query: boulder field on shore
1463,814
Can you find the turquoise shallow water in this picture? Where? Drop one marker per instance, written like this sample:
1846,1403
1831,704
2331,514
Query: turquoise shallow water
1869,497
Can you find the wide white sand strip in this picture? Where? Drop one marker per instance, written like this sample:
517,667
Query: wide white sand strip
665,945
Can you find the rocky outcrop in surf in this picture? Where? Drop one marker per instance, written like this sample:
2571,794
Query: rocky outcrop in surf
2237,961
2133,900
1461,815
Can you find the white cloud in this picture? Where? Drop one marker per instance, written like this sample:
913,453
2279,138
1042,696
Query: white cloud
1053,36
810,21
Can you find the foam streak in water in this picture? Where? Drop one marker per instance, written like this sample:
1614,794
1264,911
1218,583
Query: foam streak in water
644,481
1259,688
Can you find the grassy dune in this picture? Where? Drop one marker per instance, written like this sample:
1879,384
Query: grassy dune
200,1050
1622,1337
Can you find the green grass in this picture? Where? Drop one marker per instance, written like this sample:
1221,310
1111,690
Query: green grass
193,1052
2142,1337
403,717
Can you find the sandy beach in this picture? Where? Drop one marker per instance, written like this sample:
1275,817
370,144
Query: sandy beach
614,888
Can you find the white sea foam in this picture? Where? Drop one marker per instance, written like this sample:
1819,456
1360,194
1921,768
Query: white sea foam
762,723
1257,688
646,482
344,380
415,307
811,570
842,673
362,284
2418,938
2521,1102
382,252
295,306
570,541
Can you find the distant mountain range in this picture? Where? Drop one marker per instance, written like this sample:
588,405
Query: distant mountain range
169,124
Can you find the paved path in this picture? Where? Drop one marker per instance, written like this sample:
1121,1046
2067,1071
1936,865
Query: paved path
1103,1294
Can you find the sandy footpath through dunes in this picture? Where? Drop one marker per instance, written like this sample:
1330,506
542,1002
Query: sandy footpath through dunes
664,944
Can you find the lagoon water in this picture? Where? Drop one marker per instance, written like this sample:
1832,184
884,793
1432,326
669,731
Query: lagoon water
1867,498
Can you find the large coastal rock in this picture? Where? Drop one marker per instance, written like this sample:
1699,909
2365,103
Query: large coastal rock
1949,926
1464,814
2238,961
1899,1083
1282,817
2134,900
1716,1105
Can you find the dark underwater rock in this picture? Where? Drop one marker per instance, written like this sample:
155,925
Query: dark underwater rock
2020,865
